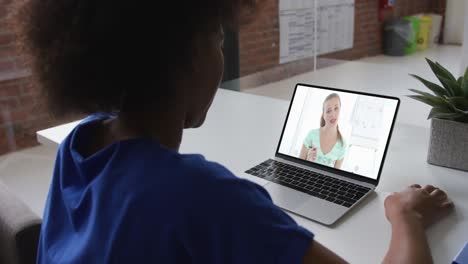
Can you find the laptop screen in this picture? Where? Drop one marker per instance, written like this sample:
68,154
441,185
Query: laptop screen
339,129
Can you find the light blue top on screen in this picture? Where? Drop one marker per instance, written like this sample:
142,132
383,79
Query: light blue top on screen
337,152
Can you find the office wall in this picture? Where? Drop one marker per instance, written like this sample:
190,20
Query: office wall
22,112
259,41
453,30
464,59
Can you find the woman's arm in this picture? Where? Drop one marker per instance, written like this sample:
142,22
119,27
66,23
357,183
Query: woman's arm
409,213
304,151
317,253
338,163
408,243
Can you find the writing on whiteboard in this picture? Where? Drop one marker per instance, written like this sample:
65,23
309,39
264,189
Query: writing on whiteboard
309,28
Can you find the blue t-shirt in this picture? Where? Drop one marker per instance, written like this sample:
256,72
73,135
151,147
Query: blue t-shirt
136,201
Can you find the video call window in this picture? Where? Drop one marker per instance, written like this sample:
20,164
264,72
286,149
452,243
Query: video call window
342,130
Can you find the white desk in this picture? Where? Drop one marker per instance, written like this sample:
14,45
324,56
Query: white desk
242,130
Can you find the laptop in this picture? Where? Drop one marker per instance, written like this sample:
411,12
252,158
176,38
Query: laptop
331,151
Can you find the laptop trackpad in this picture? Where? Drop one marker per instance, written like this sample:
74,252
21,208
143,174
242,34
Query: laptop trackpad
286,197
304,204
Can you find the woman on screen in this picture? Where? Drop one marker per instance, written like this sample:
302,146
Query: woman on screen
325,145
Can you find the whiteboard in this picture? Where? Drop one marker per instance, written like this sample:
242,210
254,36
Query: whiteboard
367,118
298,19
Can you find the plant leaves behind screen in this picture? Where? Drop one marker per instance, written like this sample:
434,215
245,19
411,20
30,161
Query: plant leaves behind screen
460,81
435,88
449,116
464,85
451,86
430,100
447,72
449,101
424,93
441,73
440,110
440,70
459,102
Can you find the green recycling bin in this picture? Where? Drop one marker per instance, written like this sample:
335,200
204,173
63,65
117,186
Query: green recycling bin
413,43
397,34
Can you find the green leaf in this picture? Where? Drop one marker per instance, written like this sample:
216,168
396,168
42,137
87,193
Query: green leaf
447,72
459,102
457,110
422,93
460,81
439,110
451,86
443,75
464,85
457,88
464,113
449,116
435,88
431,100
440,70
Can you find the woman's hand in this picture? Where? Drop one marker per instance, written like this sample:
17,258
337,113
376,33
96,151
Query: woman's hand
312,153
426,205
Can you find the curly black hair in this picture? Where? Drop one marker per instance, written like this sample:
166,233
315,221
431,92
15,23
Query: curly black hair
113,55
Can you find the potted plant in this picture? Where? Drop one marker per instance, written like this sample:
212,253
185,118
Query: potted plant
448,144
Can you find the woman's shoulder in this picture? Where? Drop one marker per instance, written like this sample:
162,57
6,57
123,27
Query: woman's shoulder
313,135
193,170
196,164
213,179
191,167
189,180
314,132
212,186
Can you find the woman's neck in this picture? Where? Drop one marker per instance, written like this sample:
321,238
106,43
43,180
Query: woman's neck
330,130
165,127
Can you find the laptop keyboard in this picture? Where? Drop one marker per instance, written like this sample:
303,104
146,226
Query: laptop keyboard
318,185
